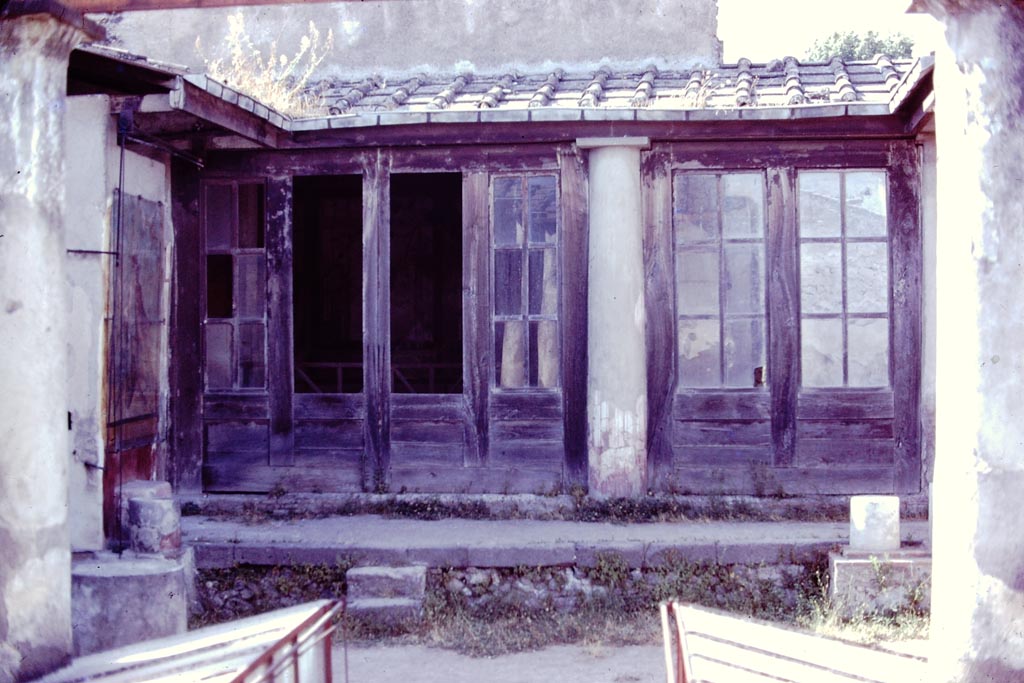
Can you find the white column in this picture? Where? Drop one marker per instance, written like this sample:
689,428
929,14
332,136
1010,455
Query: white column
978,580
35,555
617,355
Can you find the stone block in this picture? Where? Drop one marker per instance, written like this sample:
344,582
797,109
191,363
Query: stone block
118,600
154,526
865,583
141,489
875,523
388,613
387,582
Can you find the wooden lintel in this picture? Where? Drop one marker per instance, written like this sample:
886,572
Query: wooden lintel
201,104
105,6
426,134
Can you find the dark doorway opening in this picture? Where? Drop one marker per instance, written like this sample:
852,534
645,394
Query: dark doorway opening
328,284
426,283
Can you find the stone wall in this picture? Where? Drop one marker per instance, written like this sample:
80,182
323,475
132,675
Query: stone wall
769,591
414,35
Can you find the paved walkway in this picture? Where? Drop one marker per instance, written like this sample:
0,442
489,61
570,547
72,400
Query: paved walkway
563,663
371,539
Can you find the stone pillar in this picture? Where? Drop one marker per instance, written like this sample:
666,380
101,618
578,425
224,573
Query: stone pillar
35,561
617,355
978,589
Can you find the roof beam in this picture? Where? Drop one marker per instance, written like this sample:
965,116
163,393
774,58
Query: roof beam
201,104
104,6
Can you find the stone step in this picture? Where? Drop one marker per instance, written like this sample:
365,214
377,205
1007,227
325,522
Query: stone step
385,612
387,582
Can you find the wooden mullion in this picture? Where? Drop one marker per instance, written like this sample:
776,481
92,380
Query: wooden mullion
574,236
376,323
186,328
719,188
843,278
476,312
783,262
280,356
906,254
662,321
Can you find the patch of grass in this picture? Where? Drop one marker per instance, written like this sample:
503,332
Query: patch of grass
245,590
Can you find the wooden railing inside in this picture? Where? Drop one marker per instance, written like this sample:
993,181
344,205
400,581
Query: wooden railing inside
290,645
707,646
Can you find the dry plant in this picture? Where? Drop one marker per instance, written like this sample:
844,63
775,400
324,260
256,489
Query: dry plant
274,80
698,93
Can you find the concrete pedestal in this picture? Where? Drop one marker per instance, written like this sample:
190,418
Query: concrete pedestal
120,600
862,583
617,355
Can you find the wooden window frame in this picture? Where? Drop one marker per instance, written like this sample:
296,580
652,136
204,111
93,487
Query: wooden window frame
719,244
840,440
235,320
525,317
844,316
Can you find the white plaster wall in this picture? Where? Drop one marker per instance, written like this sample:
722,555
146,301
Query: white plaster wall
89,135
93,168
414,35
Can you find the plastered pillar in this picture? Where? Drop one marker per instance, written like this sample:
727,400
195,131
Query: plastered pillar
35,556
977,625
617,355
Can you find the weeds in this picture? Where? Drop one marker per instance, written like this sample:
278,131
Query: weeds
275,80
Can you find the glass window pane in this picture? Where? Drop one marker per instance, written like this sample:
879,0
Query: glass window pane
541,197
865,204
508,211
510,354
543,282
699,353
219,216
869,352
544,353
742,205
251,217
695,211
252,365
252,286
744,353
821,278
697,282
744,278
821,353
508,282
219,361
867,277
219,286
819,204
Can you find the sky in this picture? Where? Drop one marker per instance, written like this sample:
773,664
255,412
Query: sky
762,30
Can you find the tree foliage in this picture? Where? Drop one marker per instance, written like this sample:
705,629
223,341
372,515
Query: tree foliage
851,45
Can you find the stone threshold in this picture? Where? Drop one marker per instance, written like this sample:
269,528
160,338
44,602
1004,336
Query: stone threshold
369,540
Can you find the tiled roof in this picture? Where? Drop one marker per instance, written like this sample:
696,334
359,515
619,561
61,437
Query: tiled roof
867,87
780,89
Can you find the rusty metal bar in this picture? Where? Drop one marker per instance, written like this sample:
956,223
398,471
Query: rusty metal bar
315,629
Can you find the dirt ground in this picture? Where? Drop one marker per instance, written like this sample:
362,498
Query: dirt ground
562,663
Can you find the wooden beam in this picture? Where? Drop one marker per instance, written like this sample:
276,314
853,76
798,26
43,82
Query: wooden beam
105,6
196,101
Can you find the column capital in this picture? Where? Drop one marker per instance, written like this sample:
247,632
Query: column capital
595,143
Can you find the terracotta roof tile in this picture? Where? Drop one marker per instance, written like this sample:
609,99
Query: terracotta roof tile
779,89
594,91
